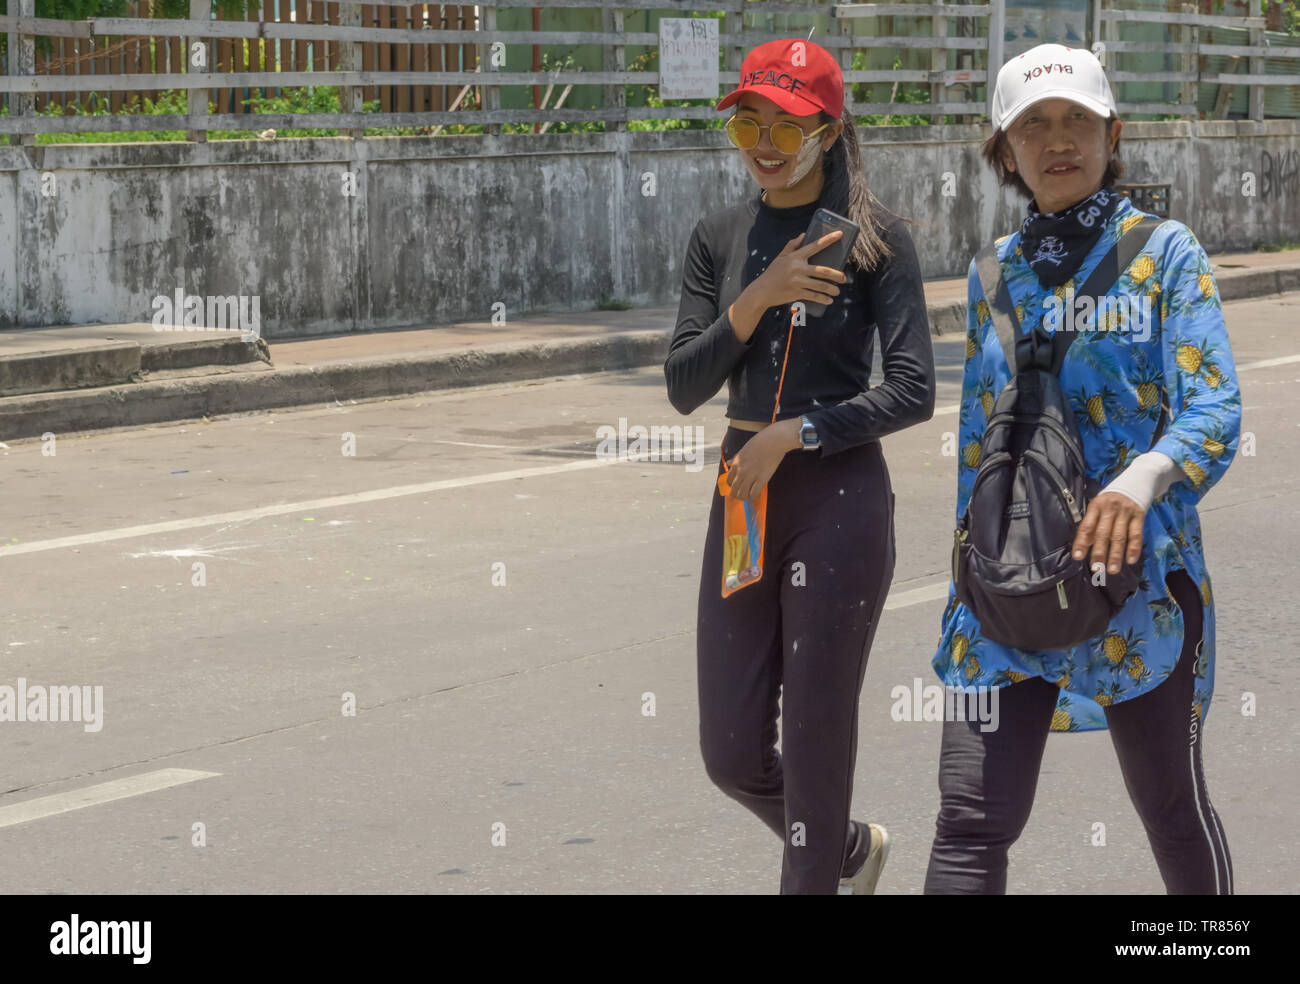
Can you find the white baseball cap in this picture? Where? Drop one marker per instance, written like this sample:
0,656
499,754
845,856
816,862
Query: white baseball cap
1050,71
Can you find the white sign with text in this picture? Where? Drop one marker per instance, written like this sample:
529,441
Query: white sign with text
688,58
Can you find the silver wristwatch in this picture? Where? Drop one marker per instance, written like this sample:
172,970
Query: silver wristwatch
808,435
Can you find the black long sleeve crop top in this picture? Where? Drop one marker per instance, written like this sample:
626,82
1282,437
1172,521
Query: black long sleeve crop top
826,375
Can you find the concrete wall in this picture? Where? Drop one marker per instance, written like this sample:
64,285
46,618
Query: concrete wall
441,229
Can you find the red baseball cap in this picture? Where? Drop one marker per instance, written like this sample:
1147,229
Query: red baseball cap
799,76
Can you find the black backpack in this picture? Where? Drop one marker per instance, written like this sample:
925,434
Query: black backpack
1011,557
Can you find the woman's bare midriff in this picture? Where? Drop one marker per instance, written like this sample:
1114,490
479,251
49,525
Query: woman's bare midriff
749,425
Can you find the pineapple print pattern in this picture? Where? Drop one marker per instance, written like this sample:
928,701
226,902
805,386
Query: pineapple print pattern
1215,439
1063,716
1142,268
1093,409
1105,697
1149,385
986,396
1116,384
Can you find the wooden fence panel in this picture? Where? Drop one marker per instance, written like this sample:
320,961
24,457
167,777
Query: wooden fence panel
442,58
271,63
384,14
222,61
468,52
175,55
160,55
369,18
419,59
335,48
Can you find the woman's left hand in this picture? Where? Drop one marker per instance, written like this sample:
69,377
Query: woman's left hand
752,466
1113,528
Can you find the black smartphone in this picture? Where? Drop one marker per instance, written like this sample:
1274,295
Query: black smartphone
835,255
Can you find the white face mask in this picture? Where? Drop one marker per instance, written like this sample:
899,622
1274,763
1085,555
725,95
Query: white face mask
804,162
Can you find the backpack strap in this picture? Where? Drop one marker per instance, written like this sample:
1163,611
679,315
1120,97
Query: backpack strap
1104,276
1160,425
1002,310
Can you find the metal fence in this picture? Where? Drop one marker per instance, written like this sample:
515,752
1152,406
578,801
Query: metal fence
963,41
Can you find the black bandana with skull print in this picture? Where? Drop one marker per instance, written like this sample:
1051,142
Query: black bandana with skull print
1055,244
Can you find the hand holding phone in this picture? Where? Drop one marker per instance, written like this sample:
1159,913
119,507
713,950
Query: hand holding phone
834,256
800,271
789,277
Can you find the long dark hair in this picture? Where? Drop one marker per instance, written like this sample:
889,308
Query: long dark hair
846,193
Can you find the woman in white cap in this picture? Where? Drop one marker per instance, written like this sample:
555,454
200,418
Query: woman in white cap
1149,676
805,424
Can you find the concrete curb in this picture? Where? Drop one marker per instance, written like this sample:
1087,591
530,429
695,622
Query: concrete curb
119,362
193,397
55,370
191,353
164,401
1241,284
947,319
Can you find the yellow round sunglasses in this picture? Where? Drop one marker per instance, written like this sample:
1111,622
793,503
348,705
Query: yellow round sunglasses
786,137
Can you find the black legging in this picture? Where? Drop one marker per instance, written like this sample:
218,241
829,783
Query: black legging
807,644
987,779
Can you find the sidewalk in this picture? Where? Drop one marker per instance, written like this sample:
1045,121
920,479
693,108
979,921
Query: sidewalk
86,377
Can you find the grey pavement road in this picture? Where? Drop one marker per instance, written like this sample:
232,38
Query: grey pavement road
516,709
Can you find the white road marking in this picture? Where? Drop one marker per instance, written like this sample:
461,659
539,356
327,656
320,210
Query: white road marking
377,495
1268,363
104,792
915,596
287,508
470,444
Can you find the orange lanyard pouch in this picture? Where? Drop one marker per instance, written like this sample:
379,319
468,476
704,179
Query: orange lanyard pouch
744,521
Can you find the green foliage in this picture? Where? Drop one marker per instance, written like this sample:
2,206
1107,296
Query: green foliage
81,9
565,63
169,103
901,94
316,99
311,99
549,64
1290,14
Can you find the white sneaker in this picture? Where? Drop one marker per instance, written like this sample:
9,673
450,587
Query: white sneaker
863,881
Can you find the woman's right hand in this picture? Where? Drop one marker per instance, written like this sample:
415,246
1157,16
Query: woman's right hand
790,277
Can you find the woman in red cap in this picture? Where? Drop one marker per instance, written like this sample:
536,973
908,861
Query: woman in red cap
805,424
